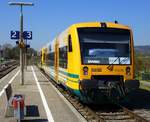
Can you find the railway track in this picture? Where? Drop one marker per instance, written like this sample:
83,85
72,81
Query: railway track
5,68
105,113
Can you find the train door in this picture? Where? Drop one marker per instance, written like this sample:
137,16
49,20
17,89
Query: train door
56,61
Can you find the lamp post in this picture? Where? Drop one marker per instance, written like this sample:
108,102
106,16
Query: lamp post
21,41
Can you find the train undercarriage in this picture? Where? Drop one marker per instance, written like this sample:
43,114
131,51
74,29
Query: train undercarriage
103,89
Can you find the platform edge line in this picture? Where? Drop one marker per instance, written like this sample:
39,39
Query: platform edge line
11,80
47,110
79,116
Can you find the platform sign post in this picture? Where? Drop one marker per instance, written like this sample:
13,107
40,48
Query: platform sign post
27,35
21,41
25,55
21,49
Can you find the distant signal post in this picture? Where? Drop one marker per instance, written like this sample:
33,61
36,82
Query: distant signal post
21,41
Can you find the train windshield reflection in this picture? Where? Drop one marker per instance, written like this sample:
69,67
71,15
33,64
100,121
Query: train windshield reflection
104,46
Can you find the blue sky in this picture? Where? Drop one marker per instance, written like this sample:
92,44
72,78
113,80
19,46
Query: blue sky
47,18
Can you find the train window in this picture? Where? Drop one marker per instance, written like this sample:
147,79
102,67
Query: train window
104,46
51,58
50,48
47,61
63,57
69,43
44,57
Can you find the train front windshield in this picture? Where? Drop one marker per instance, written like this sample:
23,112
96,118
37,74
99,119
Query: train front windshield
104,45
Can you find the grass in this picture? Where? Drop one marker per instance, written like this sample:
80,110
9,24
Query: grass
147,81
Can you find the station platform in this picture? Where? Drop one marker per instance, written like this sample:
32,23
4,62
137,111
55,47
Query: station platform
43,101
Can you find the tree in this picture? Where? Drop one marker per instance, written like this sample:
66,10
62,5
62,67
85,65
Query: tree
11,52
138,63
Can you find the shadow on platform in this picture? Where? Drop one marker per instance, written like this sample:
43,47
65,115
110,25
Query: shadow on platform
35,120
44,81
139,99
32,111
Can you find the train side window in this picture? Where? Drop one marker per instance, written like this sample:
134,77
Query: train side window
50,48
69,43
51,58
44,57
63,57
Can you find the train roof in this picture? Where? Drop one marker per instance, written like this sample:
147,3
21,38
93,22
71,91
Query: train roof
98,24
86,24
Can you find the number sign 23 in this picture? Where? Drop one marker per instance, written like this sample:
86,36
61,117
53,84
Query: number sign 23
26,35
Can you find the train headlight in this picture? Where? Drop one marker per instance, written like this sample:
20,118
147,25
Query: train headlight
85,70
128,71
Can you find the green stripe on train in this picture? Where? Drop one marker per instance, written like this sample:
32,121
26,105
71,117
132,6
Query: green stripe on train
61,75
68,74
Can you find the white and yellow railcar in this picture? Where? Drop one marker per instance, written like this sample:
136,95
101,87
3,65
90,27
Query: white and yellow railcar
93,60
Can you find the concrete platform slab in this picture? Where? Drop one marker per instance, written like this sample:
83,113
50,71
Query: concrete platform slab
35,85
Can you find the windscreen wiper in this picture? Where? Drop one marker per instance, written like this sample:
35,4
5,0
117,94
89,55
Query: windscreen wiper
110,66
124,60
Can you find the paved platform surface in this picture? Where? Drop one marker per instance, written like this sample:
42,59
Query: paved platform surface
44,103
